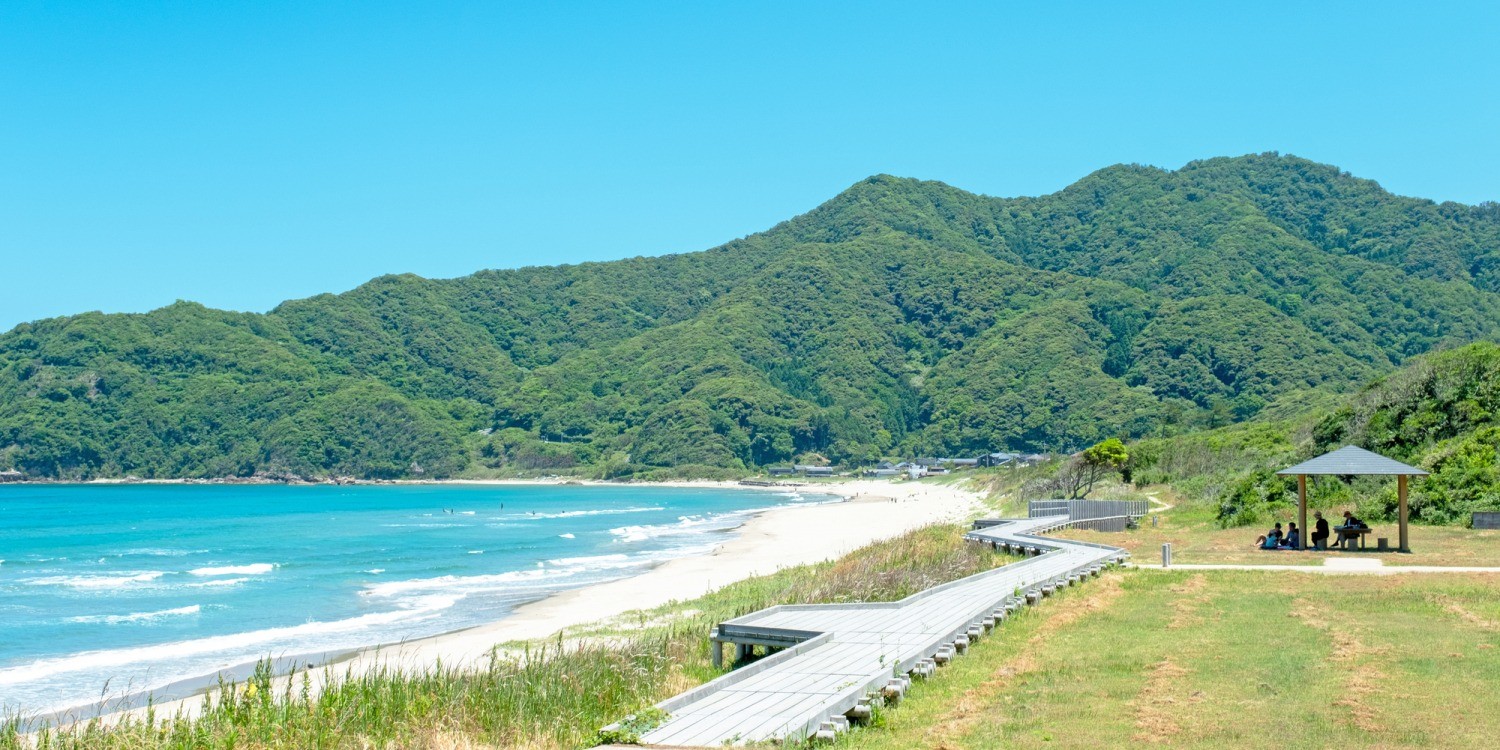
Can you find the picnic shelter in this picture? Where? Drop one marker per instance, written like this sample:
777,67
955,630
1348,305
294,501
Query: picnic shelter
1351,461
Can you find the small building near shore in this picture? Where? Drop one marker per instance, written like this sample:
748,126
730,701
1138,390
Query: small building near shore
818,471
1000,458
781,471
12,476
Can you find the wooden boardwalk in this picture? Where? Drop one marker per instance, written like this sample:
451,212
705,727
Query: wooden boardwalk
838,658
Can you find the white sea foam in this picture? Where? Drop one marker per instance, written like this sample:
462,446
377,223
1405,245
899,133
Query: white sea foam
137,616
593,560
254,569
579,513
566,536
217,582
375,571
466,513
457,584
685,525
99,582
545,576
476,551
158,552
226,650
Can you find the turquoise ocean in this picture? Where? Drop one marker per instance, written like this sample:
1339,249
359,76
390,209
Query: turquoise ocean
112,590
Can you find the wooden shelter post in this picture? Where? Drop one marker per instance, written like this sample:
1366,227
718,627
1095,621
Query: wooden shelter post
1302,536
1401,496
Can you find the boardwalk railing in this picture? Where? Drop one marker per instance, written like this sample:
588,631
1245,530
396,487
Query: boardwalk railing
1099,515
839,660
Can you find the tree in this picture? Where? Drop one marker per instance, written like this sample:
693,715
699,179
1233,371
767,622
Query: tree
1078,476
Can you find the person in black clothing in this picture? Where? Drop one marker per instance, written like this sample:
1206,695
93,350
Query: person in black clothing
1320,531
1350,522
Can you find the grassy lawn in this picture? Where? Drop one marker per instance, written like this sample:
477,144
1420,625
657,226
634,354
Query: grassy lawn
1196,538
1223,659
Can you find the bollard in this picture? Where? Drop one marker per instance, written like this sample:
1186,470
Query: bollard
1153,521
1166,555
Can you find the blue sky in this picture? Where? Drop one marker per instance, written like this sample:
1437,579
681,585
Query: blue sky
238,154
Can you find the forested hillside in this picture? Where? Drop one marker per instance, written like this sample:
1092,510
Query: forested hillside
1439,412
900,317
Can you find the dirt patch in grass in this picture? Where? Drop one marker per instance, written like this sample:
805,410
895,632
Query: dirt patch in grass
1463,613
978,704
1191,597
1357,660
1156,706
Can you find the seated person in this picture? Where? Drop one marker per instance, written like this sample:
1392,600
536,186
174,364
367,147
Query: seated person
1350,523
1270,539
1320,531
1293,539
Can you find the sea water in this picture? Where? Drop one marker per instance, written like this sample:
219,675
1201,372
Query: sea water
115,590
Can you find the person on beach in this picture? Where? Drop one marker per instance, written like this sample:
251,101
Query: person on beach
1270,539
1320,531
1293,538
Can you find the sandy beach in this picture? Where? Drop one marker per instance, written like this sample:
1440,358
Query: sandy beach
776,538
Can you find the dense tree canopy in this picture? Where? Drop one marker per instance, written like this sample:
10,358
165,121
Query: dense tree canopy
900,317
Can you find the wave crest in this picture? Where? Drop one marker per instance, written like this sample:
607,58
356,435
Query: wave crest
137,616
98,582
253,569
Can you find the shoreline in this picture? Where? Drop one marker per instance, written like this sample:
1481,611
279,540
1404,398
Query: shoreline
772,538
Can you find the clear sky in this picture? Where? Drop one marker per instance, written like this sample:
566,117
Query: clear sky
241,153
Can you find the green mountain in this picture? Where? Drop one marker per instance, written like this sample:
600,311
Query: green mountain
900,317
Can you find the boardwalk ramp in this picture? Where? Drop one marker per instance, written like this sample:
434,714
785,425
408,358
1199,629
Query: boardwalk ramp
836,659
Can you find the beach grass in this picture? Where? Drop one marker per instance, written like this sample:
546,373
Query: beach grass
1222,659
554,694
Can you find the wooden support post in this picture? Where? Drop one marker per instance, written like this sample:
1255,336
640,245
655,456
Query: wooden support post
1302,536
716,652
1401,497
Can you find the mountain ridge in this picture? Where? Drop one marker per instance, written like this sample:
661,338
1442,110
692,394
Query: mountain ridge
900,316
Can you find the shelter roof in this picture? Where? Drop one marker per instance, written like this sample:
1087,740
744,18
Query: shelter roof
1351,460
